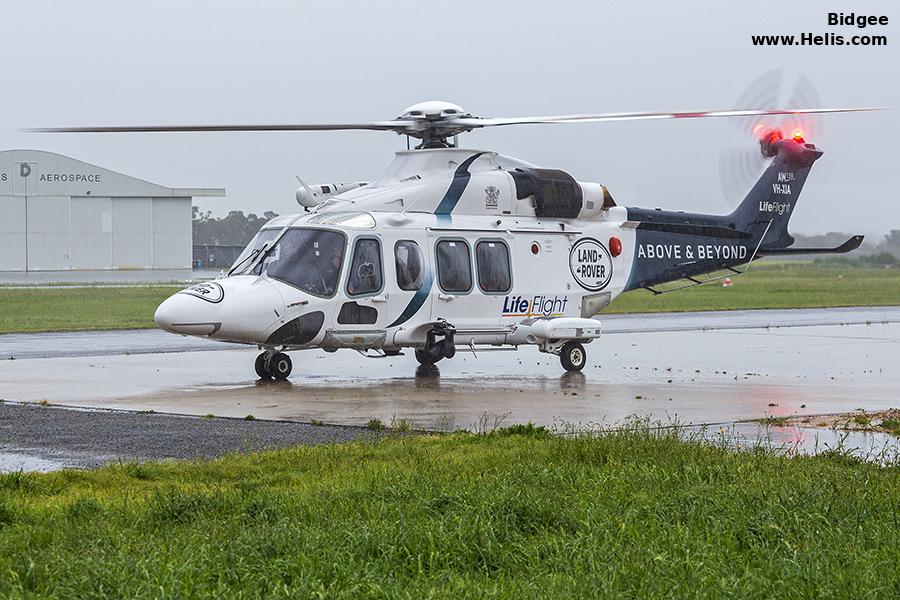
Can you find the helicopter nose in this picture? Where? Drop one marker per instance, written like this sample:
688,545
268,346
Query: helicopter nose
165,314
238,309
187,315
192,311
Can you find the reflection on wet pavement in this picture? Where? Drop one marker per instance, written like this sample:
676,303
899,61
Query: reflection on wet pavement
715,376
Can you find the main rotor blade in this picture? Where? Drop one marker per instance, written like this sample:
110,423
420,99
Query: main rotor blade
445,127
396,125
475,122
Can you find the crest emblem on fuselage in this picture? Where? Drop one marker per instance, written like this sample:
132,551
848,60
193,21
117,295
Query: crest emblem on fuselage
491,196
591,264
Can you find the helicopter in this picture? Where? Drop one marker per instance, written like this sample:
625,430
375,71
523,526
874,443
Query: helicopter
453,248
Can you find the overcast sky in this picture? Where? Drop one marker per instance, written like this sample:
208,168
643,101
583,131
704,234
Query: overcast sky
162,62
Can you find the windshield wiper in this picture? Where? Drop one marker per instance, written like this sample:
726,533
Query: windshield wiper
256,255
250,256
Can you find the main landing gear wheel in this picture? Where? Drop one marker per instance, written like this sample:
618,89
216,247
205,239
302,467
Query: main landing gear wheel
572,356
278,367
425,359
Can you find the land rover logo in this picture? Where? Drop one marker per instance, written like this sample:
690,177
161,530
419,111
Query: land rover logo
591,264
209,291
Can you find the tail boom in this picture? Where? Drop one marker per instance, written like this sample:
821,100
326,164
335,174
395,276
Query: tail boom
676,245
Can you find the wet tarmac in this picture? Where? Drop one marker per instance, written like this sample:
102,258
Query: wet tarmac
47,438
150,341
702,368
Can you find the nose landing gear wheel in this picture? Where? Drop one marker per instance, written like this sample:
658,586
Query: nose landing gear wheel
278,367
572,356
260,366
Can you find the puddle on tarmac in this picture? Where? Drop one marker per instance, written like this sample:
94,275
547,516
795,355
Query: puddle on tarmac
871,446
10,462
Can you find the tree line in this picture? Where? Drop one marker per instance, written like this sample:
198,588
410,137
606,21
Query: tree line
234,229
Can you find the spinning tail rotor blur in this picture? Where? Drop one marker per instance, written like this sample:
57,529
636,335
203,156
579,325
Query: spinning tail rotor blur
742,165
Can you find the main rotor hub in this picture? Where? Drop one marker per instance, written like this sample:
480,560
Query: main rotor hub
434,122
433,110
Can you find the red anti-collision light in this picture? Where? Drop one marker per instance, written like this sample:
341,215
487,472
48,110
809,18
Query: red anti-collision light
615,246
773,136
798,136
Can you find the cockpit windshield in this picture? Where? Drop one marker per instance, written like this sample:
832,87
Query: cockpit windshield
309,259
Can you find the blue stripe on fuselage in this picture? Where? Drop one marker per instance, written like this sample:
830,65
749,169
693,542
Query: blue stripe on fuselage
417,301
457,187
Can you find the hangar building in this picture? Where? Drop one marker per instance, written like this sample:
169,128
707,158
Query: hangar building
61,214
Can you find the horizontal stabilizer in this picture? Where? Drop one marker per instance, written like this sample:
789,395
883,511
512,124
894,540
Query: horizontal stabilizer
848,246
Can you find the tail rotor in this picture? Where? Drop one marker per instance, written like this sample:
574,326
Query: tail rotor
741,166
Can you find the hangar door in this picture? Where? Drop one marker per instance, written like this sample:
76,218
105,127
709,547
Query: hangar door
132,220
12,233
91,233
48,240
172,233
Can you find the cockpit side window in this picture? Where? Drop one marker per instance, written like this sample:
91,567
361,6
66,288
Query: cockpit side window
365,269
408,261
309,259
454,266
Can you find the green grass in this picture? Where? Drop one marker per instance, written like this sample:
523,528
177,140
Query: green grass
514,514
766,285
891,425
68,309
773,421
776,285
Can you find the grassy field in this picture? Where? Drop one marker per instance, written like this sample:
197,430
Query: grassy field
627,514
766,285
76,308
776,285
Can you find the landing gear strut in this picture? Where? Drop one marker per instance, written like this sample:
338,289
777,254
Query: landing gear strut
439,344
273,366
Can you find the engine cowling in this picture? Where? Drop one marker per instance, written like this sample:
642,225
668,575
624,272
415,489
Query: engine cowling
556,194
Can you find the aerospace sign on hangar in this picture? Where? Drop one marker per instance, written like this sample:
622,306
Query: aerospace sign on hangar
58,214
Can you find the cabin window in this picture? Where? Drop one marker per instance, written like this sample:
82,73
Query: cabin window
355,314
408,260
492,261
365,270
309,259
454,266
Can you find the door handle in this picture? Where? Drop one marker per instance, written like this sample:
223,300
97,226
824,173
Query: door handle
446,297
374,299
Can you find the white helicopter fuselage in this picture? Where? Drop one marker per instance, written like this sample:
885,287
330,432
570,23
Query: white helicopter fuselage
459,248
483,263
